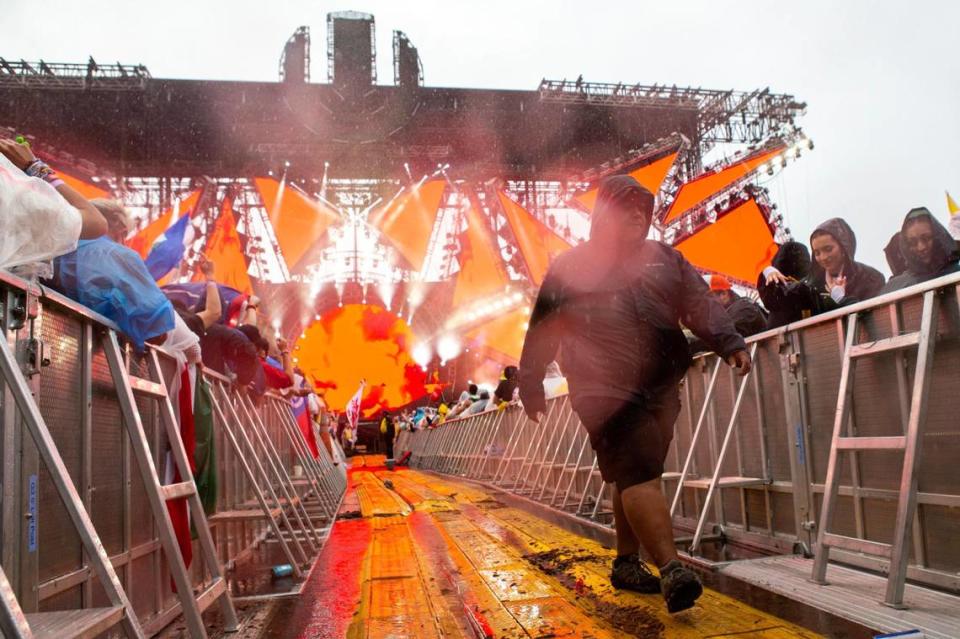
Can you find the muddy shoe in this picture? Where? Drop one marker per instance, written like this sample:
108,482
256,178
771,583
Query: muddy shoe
630,573
681,586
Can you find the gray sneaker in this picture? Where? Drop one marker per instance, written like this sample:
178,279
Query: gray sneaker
681,586
630,573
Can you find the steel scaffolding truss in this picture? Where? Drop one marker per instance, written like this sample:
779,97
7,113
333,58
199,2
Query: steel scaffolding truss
735,117
59,75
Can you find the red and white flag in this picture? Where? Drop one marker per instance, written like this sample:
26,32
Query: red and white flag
353,410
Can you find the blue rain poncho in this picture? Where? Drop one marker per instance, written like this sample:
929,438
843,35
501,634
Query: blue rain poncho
112,280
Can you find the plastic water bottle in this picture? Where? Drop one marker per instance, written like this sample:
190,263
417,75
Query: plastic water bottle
282,570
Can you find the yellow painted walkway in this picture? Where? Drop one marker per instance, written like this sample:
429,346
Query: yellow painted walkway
447,560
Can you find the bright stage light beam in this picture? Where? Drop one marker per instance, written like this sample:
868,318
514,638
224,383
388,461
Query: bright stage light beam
421,355
448,347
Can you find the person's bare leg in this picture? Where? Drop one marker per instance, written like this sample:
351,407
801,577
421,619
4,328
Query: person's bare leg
627,542
645,508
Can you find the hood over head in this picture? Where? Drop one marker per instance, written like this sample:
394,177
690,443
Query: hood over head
792,259
841,232
622,203
895,259
944,246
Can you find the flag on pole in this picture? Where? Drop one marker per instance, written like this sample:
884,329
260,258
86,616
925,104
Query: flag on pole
951,205
353,410
169,249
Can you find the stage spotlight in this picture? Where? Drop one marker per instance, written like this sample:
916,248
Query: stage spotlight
448,347
286,164
421,354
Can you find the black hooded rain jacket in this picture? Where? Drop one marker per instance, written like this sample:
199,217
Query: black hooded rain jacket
945,254
613,307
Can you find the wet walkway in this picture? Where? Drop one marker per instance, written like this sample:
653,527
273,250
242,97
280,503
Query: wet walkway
414,555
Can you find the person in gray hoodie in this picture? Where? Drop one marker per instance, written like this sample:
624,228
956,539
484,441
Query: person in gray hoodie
927,248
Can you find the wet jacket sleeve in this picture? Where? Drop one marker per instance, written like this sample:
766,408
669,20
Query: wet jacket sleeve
541,344
869,283
747,317
704,315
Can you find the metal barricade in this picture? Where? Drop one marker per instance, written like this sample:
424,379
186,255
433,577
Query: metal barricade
59,346
775,431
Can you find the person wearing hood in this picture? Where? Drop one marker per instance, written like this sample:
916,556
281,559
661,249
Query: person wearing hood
835,278
613,307
895,259
834,272
508,383
783,286
928,250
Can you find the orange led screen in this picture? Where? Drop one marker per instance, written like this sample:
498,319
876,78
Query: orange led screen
539,245
696,191
481,273
650,176
503,336
298,221
224,250
408,220
85,189
357,342
739,244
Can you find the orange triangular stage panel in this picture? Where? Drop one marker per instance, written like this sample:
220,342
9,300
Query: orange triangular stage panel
739,244
408,220
143,241
85,189
538,244
503,335
650,176
298,220
224,250
696,191
481,271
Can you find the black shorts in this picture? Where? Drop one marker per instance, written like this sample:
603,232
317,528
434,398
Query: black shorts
631,441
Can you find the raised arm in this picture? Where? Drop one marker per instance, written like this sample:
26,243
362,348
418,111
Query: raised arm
212,311
93,223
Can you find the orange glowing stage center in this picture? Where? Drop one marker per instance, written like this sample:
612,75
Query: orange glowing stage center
357,342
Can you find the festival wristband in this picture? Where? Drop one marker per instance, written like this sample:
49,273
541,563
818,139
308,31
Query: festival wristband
40,169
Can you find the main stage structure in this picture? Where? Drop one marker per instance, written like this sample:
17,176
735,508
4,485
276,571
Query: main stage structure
442,205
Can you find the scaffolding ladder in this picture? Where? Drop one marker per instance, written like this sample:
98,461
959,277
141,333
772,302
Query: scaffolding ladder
898,551
128,387
61,624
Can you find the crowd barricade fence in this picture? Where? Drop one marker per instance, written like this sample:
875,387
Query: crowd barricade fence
767,493
59,347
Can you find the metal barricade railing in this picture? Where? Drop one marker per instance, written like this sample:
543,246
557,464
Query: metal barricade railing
778,426
59,348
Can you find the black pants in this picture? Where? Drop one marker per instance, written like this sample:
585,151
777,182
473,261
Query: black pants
388,443
631,441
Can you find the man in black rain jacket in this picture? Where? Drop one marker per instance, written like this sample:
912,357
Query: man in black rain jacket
613,307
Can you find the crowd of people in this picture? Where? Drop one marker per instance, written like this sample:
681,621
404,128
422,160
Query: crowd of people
80,253
618,304
796,286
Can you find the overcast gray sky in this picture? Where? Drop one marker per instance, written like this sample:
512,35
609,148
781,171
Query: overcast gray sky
882,79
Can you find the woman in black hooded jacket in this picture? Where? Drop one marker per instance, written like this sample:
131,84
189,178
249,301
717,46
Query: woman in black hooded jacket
928,249
835,279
